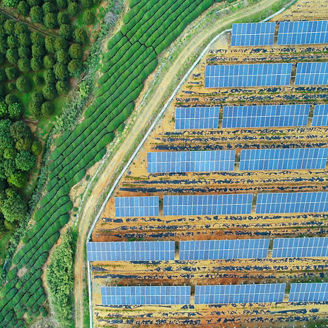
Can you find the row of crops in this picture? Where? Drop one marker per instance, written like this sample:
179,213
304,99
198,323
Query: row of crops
150,26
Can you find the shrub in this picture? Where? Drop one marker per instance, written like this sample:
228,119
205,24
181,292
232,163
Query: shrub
36,147
23,8
88,17
75,51
24,64
80,36
47,109
36,14
50,20
11,73
73,9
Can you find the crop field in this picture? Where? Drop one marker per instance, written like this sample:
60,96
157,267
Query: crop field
137,182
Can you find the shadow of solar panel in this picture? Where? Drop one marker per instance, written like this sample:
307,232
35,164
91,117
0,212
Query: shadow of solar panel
145,295
208,204
265,116
311,74
131,251
229,294
301,202
224,249
303,32
309,292
136,206
247,75
283,159
191,161
253,34
300,247
196,118
320,115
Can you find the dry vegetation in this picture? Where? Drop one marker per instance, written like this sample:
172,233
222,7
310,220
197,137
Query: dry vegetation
137,182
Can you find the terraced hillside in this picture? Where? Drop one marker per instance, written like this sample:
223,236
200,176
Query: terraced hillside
139,182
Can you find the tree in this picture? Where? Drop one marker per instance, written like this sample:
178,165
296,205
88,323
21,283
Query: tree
74,66
37,39
12,56
35,103
12,41
50,20
24,52
20,130
9,26
62,4
50,44
9,153
36,14
75,51
23,144
25,160
80,36
18,179
24,65
6,140
10,167
3,45
48,61
10,99
88,17
73,9
36,147
49,7
3,109
60,44
23,8
3,75
65,31
36,64
11,86
14,208
10,3
38,80
60,71
37,50
15,111
49,76
47,109
11,73
24,39
63,18
20,28
86,3
23,84
62,87
62,57
49,91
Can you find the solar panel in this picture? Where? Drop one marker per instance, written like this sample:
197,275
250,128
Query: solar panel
208,204
136,206
145,295
253,34
190,161
283,159
227,294
303,32
265,116
311,74
309,292
224,249
300,202
131,251
196,118
320,115
247,75
300,247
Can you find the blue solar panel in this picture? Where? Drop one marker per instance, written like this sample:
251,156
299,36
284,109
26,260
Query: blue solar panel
311,74
196,118
300,247
303,32
309,292
208,204
265,116
145,295
301,202
247,75
253,34
131,251
283,159
227,294
320,115
136,206
224,249
191,161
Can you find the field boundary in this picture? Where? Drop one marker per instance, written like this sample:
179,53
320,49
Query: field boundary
157,118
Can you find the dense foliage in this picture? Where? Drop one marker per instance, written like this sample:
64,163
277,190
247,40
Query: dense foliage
60,279
150,26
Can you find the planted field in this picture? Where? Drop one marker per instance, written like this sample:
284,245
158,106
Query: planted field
235,180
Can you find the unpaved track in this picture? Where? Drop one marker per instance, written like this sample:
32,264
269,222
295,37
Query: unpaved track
86,217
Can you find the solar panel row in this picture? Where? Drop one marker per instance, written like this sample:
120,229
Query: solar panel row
136,206
283,159
309,292
191,161
311,74
131,251
320,115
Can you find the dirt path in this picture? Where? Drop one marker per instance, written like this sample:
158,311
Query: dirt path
191,48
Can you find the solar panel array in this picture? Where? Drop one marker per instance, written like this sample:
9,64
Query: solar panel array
253,34
265,116
131,251
301,202
247,75
308,292
227,294
196,118
224,249
300,247
311,74
136,206
145,295
283,159
208,204
190,161
303,32
320,115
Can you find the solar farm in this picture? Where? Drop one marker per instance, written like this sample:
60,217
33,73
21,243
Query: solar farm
221,220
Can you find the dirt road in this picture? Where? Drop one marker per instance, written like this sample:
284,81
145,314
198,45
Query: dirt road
192,47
